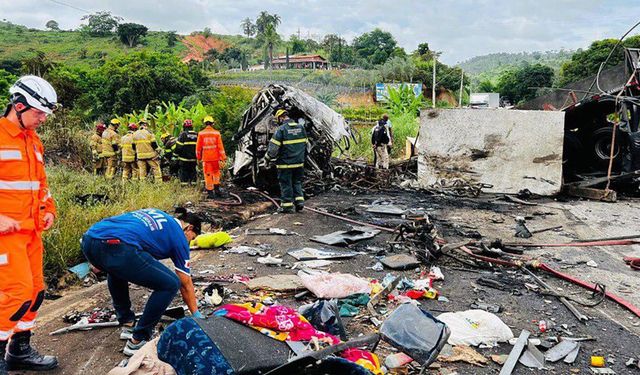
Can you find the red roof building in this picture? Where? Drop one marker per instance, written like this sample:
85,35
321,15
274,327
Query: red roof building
300,62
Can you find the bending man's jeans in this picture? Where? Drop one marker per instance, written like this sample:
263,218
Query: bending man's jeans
123,264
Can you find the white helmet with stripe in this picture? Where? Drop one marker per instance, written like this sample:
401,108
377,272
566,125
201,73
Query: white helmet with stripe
37,91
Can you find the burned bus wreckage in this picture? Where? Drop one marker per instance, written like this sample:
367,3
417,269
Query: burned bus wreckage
326,129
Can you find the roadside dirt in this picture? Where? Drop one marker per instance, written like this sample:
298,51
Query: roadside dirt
615,330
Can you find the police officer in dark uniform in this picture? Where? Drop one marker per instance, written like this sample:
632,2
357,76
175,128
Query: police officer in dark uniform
288,148
185,152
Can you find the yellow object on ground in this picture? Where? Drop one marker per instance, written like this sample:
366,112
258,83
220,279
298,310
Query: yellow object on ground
211,240
597,361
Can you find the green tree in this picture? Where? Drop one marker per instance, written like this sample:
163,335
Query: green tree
71,84
172,38
446,76
131,82
520,84
52,25
234,57
248,28
486,86
400,69
130,34
206,32
375,46
335,46
100,23
38,63
269,38
585,63
297,45
264,19
6,80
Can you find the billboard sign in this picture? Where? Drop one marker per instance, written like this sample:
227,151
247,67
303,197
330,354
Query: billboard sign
382,89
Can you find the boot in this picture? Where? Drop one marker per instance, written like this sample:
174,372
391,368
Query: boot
22,356
211,194
3,364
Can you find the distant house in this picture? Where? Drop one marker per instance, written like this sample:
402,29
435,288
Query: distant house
300,62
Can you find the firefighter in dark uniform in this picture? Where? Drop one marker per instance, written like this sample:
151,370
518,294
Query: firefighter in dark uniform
169,160
185,152
288,148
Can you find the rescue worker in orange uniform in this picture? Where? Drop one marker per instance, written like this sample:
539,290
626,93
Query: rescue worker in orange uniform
26,210
129,166
146,153
110,148
95,143
210,150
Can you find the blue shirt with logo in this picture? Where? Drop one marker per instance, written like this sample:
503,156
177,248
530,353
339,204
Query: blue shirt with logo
150,230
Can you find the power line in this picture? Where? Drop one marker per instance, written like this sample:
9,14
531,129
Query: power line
70,6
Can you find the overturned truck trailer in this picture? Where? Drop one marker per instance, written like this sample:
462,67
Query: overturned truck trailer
560,141
326,129
595,108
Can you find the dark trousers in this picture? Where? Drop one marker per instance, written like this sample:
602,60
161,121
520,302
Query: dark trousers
291,193
123,264
188,171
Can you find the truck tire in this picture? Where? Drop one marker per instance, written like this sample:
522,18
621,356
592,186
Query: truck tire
601,147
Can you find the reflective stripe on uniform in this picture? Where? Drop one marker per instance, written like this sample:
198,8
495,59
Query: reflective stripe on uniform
300,199
183,159
275,142
19,185
294,141
286,166
287,204
145,155
26,325
10,155
4,335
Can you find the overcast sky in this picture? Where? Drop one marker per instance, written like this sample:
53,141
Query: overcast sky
460,29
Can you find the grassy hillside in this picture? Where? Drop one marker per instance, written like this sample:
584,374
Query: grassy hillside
489,67
72,47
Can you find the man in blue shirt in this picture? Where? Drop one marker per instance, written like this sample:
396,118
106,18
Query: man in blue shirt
127,247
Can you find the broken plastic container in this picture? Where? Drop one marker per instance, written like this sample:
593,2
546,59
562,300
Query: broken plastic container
416,333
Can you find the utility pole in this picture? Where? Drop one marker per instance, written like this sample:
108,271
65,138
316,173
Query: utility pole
461,87
433,89
298,32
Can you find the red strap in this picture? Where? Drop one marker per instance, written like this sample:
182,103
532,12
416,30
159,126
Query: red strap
634,263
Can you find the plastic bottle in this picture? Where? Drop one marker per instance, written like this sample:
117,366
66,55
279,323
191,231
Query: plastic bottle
397,360
542,325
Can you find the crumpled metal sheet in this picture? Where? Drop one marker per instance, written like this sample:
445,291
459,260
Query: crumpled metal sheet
345,237
561,350
532,357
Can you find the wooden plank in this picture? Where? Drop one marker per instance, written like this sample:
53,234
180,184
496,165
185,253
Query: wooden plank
590,193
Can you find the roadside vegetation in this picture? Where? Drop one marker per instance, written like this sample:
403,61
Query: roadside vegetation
78,208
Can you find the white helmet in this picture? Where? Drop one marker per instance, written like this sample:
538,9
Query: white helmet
38,92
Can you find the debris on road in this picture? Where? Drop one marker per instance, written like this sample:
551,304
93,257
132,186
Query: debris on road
277,283
347,237
333,285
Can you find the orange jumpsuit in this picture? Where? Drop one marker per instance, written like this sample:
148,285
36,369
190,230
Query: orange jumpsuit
210,150
25,197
